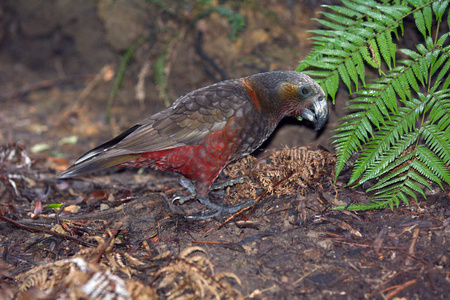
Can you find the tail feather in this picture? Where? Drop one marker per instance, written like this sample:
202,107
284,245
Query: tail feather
95,164
101,157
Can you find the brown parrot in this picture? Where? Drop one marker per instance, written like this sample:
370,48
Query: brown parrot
206,129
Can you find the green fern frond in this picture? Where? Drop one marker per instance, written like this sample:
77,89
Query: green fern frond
387,137
350,41
436,167
440,109
437,141
400,120
389,160
379,103
362,206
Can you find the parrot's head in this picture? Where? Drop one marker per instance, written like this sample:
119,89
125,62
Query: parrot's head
292,93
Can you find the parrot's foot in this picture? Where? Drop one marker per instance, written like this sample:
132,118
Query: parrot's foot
190,187
215,210
186,183
230,182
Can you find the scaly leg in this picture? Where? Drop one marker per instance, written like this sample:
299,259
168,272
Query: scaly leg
214,210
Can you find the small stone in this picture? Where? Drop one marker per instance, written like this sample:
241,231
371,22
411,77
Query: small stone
104,206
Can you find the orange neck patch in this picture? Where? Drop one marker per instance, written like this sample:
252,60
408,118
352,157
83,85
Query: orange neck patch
252,95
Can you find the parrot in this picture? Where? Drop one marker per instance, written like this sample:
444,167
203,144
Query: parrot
208,128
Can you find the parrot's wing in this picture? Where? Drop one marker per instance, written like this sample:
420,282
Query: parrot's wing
187,122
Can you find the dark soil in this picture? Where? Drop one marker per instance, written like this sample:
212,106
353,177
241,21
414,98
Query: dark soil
118,228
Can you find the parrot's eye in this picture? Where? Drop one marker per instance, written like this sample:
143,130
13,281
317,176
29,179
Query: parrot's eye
304,91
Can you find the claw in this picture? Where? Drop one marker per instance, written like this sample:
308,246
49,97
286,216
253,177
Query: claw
181,199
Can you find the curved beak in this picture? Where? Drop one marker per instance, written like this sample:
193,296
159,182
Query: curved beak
318,114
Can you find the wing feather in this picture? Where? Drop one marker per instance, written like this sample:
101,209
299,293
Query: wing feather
187,122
